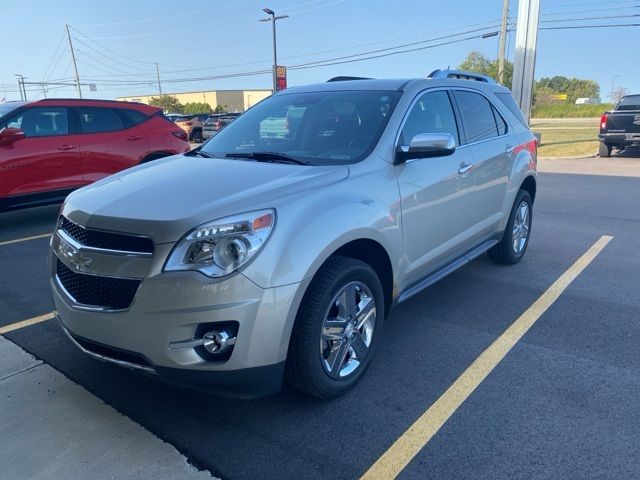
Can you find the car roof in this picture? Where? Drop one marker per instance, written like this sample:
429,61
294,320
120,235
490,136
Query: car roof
394,84
89,102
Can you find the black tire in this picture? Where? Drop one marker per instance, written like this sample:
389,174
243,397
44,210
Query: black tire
504,252
604,150
153,156
196,136
304,370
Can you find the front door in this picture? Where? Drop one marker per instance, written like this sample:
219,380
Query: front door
46,160
434,191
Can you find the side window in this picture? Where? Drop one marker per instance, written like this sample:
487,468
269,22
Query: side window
41,122
432,113
96,119
134,117
477,116
502,125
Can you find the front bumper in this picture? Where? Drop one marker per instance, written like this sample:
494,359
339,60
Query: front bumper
169,307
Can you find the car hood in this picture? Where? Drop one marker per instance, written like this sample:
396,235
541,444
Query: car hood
168,197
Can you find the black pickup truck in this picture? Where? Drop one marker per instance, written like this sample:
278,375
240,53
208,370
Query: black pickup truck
620,128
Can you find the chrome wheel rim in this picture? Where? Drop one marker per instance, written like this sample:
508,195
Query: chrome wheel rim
347,330
520,233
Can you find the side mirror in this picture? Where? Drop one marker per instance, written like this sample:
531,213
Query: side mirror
426,145
10,135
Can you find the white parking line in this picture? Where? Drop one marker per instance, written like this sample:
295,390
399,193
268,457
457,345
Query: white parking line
26,239
26,323
398,456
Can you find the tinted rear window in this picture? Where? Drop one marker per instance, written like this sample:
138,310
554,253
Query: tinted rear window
134,117
508,101
477,116
95,119
630,102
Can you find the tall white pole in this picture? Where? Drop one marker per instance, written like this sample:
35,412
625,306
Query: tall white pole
75,66
525,57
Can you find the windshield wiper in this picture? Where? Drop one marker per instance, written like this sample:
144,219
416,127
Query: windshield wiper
273,157
200,153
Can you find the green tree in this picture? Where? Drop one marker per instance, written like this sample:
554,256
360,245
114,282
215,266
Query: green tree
197,107
168,103
572,87
219,109
477,62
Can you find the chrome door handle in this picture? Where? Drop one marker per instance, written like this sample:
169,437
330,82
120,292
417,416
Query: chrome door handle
509,149
465,168
134,137
66,147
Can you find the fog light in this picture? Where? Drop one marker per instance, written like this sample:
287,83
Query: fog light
217,342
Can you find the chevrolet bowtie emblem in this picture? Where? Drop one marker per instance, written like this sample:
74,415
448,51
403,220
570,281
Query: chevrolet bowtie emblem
75,257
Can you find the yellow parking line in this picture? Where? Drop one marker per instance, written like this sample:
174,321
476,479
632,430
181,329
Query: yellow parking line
393,461
26,323
18,240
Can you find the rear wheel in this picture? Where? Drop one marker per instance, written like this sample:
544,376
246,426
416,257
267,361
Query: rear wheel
515,238
604,150
337,328
197,137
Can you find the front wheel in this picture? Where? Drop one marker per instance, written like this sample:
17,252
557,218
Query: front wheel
515,238
337,328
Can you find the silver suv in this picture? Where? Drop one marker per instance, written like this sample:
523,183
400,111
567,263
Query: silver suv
276,250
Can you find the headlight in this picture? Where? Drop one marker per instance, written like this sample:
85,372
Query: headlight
222,246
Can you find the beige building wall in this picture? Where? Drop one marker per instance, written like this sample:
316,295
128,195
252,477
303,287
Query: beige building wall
232,100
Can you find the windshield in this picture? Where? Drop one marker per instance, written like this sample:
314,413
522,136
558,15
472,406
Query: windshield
320,128
4,109
630,102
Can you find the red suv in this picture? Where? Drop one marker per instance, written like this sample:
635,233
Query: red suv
50,147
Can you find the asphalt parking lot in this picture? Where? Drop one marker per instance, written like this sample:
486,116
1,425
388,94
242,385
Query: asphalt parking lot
563,403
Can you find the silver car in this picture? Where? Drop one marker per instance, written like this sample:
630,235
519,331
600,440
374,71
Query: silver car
277,249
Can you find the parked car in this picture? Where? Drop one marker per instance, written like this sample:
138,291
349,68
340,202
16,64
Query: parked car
50,147
263,258
192,124
620,127
217,122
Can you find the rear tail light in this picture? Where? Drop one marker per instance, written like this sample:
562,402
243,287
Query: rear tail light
603,121
182,135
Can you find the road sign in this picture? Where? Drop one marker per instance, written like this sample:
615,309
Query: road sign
281,78
559,96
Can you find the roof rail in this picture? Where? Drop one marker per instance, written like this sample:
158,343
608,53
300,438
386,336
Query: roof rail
55,99
461,75
346,79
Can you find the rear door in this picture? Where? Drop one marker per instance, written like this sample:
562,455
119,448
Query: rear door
47,159
110,142
486,135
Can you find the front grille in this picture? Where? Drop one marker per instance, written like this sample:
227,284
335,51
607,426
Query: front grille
95,291
106,240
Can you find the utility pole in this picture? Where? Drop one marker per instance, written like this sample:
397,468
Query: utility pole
75,66
503,41
613,82
158,75
23,92
525,59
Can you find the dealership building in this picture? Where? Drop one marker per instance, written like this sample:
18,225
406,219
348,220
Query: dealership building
230,100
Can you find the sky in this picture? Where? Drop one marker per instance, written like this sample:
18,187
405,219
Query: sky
119,41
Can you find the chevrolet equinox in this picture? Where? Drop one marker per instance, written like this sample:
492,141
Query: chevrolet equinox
276,250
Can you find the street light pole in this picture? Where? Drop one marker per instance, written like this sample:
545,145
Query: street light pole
272,19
